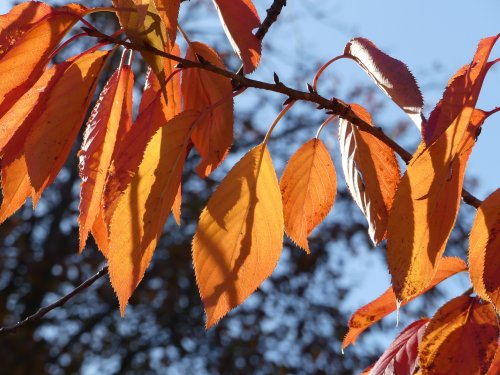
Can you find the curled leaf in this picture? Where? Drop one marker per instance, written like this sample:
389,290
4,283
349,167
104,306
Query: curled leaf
308,187
371,172
240,234
392,76
108,123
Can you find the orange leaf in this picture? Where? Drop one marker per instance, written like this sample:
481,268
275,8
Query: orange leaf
461,338
240,18
461,94
379,308
484,254
308,187
56,124
201,89
240,235
143,204
16,187
426,205
28,35
402,355
392,76
169,13
371,172
108,123
143,26
495,366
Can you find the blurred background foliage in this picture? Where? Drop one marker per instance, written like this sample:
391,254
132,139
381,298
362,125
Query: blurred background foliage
293,324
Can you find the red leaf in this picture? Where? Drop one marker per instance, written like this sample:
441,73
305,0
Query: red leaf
402,355
240,18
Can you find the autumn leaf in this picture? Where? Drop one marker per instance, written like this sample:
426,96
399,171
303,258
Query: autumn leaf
202,89
56,125
461,338
379,308
308,187
39,129
143,204
240,235
426,206
495,365
144,27
240,18
108,123
392,76
28,35
484,245
461,94
169,13
371,172
402,355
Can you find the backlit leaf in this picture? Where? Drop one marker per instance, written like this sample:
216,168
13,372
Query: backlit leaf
371,172
484,250
461,94
402,355
461,338
308,187
240,18
28,35
392,76
426,205
56,124
240,235
144,27
201,89
379,308
143,204
169,13
108,123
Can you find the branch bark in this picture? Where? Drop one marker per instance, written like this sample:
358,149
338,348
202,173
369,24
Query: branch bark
60,302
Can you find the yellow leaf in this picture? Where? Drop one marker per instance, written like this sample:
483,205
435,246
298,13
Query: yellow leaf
169,12
144,27
143,206
461,338
108,123
425,207
308,187
240,235
484,246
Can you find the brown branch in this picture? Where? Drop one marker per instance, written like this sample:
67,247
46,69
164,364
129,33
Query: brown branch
60,302
334,106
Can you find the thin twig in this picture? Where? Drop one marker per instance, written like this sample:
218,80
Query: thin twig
60,302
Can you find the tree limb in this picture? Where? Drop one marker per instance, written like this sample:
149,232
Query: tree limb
60,302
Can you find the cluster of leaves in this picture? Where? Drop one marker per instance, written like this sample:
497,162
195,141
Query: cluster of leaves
131,169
